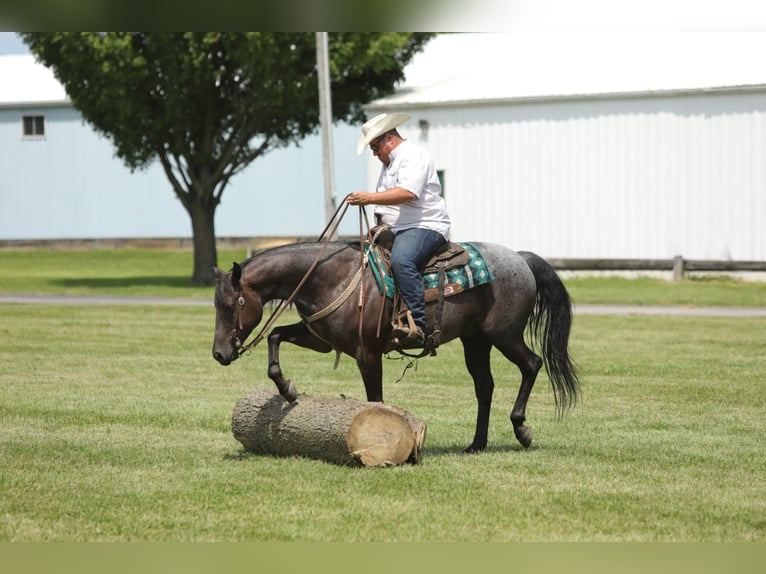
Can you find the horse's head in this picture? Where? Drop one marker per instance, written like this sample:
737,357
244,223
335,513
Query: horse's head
238,309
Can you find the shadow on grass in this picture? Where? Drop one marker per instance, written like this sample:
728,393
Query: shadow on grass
449,450
122,282
429,451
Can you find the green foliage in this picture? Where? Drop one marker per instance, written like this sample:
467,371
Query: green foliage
212,102
365,66
206,104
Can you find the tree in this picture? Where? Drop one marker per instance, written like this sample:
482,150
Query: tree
205,105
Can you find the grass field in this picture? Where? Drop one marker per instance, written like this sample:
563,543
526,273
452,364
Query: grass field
115,426
166,274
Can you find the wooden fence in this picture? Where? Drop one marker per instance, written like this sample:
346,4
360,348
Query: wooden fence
678,265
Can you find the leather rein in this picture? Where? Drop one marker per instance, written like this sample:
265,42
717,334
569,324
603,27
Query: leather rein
325,237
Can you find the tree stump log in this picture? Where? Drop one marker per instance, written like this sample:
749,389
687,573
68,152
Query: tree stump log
341,431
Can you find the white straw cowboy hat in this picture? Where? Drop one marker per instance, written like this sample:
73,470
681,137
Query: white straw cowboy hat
377,126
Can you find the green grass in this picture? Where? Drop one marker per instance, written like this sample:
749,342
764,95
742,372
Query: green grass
703,291
166,273
139,272
115,425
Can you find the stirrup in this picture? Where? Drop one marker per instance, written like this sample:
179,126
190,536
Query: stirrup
408,338
404,331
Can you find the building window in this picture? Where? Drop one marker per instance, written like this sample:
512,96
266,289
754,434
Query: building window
34,126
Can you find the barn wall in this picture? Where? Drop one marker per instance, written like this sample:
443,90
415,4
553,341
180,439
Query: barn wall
69,185
622,177
628,177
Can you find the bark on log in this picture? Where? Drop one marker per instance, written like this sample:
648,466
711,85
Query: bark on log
342,431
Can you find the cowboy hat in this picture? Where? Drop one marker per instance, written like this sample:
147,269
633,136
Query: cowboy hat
377,126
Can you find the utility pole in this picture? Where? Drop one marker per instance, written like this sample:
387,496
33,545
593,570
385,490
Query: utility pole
325,122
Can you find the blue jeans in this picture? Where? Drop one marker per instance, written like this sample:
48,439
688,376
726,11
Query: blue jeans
412,248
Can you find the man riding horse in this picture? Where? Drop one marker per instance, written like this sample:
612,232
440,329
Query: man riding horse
408,199
524,295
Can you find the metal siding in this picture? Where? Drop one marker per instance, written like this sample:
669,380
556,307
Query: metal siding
638,177
282,193
71,186
619,177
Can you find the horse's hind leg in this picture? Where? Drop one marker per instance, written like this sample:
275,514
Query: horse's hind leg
529,364
476,350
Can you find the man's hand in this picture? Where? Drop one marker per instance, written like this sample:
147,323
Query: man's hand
393,196
359,198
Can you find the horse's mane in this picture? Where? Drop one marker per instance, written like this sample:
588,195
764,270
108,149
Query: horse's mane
296,248
225,290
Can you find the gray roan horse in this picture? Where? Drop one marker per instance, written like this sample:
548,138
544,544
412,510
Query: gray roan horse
526,290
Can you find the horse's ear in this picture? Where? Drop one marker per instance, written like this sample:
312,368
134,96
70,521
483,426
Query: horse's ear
218,272
236,275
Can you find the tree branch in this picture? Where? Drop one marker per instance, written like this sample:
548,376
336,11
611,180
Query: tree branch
181,192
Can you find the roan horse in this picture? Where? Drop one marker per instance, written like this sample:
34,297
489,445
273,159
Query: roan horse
526,290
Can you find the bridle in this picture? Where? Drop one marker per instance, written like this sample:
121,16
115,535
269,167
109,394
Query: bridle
238,321
325,237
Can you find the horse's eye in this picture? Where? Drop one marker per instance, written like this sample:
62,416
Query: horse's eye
241,301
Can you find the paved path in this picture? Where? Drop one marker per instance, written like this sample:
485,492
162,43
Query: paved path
670,310
579,309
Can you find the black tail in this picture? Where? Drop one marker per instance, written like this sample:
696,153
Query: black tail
550,324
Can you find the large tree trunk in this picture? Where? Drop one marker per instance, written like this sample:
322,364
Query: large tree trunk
342,431
202,215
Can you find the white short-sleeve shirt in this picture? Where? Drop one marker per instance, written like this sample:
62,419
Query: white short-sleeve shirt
411,168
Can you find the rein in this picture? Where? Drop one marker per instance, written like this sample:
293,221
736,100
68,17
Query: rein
336,218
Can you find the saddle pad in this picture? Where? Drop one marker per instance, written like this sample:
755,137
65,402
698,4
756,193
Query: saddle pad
457,279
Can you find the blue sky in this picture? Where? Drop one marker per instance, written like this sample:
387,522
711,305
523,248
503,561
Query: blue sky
10,43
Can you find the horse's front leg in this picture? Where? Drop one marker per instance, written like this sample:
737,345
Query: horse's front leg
370,365
297,334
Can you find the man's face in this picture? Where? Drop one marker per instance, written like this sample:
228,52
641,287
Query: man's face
381,148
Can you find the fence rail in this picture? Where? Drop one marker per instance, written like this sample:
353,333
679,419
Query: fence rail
678,265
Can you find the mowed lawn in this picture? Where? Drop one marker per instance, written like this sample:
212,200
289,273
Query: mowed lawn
115,426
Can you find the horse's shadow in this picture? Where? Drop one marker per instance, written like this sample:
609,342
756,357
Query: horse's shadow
458,450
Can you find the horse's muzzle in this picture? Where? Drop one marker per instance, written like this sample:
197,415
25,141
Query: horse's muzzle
223,359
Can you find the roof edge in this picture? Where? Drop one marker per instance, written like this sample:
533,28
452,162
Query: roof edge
40,104
381,104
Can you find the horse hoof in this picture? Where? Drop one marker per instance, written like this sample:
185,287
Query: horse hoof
291,393
524,435
474,449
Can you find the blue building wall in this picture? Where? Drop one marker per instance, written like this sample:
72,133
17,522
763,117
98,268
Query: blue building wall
69,185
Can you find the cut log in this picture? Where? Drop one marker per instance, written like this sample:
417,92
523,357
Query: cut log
337,430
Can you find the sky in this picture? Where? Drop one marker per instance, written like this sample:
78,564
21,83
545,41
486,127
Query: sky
10,43
599,16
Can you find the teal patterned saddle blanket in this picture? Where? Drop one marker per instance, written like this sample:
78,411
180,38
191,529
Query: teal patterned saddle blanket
467,271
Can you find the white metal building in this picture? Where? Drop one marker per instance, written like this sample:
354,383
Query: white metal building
600,145
59,179
566,144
